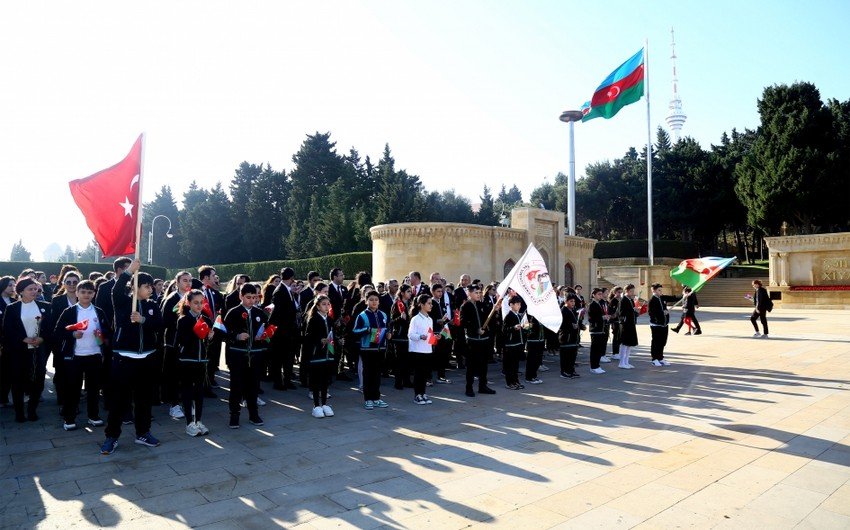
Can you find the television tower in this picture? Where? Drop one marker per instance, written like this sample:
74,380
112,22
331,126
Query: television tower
675,118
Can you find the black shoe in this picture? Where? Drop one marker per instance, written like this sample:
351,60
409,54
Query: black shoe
343,377
470,393
234,421
676,330
32,416
256,420
214,384
20,418
260,391
209,394
698,332
279,386
486,390
290,386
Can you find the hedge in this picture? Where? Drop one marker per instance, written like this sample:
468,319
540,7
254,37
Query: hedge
637,248
351,263
14,268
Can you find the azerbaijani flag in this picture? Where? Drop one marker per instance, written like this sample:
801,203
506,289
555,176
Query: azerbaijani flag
219,324
622,87
331,345
377,335
445,333
695,272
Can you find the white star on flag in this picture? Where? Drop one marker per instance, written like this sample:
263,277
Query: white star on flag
128,207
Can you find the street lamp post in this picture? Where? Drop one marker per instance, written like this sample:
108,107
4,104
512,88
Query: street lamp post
168,234
571,116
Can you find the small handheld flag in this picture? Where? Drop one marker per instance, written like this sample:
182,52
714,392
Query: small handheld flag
219,324
201,328
446,333
432,339
79,326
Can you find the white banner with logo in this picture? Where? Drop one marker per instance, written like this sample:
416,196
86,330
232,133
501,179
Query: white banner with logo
530,279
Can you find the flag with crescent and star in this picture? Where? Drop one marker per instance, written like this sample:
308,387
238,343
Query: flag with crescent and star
622,87
109,200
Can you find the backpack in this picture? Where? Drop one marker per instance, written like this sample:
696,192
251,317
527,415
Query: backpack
769,303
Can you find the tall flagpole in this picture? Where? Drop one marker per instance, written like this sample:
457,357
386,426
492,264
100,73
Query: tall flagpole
139,223
649,237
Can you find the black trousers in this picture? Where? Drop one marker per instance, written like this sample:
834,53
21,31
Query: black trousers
88,366
320,377
478,356
372,361
534,359
28,371
510,363
131,384
458,345
615,338
659,340
244,374
281,357
598,342
442,350
421,371
402,364
693,320
5,377
193,377
568,358
759,316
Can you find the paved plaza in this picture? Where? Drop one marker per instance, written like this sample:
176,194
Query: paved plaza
737,433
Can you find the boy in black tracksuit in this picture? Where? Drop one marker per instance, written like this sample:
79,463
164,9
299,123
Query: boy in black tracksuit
133,364
472,317
245,354
659,319
513,344
81,352
568,338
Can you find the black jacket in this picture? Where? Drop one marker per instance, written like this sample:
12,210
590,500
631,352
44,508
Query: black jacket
133,340
241,320
472,317
595,317
570,326
511,335
284,314
400,324
318,328
64,339
189,347
14,332
658,313
103,300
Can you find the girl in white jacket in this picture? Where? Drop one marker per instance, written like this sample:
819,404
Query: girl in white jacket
420,336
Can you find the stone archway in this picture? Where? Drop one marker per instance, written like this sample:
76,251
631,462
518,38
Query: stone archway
507,268
545,255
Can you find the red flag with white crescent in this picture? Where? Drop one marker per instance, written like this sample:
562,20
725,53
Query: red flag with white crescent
109,200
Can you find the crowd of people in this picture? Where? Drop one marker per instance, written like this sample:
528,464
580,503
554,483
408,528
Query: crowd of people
139,342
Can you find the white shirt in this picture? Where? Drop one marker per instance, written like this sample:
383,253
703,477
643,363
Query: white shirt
87,344
30,318
419,326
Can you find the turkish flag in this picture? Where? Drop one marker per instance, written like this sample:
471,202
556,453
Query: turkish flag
201,328
79,326
109,200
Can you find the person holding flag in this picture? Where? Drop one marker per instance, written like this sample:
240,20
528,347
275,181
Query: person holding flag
689,306
193,336
512,331
420,336
371,328
440,317
320,343
136,329
659,320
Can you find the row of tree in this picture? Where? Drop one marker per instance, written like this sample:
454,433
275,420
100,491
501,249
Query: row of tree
792,173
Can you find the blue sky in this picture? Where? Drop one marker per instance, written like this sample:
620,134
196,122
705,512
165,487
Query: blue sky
465,92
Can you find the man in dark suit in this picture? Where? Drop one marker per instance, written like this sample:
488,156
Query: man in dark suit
659,319
339,297
215,300
417,286
309,292
761,299
285,339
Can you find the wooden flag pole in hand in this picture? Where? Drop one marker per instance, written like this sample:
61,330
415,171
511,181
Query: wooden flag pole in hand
139,227
496,306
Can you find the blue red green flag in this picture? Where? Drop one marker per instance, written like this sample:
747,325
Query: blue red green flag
695,272
622,87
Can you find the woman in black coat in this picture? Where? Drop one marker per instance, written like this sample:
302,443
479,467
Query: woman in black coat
24,340
627,315
7,297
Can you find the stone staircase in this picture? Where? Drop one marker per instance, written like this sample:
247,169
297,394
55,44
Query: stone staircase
727,292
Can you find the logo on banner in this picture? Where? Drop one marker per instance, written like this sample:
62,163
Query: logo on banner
534,280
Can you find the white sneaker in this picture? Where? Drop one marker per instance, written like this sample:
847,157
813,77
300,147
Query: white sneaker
656,362
764,336
318,412
202,428
425,397
665,362
244,404
192,429
329,412
597,371
176,412
419,400
535,381
605,359
626,366
616,357
756,334
543,368
260,402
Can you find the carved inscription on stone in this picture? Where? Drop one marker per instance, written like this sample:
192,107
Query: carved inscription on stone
832,271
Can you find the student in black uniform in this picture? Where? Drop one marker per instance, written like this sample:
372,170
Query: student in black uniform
613,310
193,335
319,340
568,338
400,323
689,306
761,299
65,297
627,316
512,334
232,298
534,345
24,341
472,318
79,335
215,302
371,330
440,317
596,318
285,341
245,354
170,371
659,319
136,330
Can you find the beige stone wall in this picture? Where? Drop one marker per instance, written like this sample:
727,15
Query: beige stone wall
819,260
482,252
